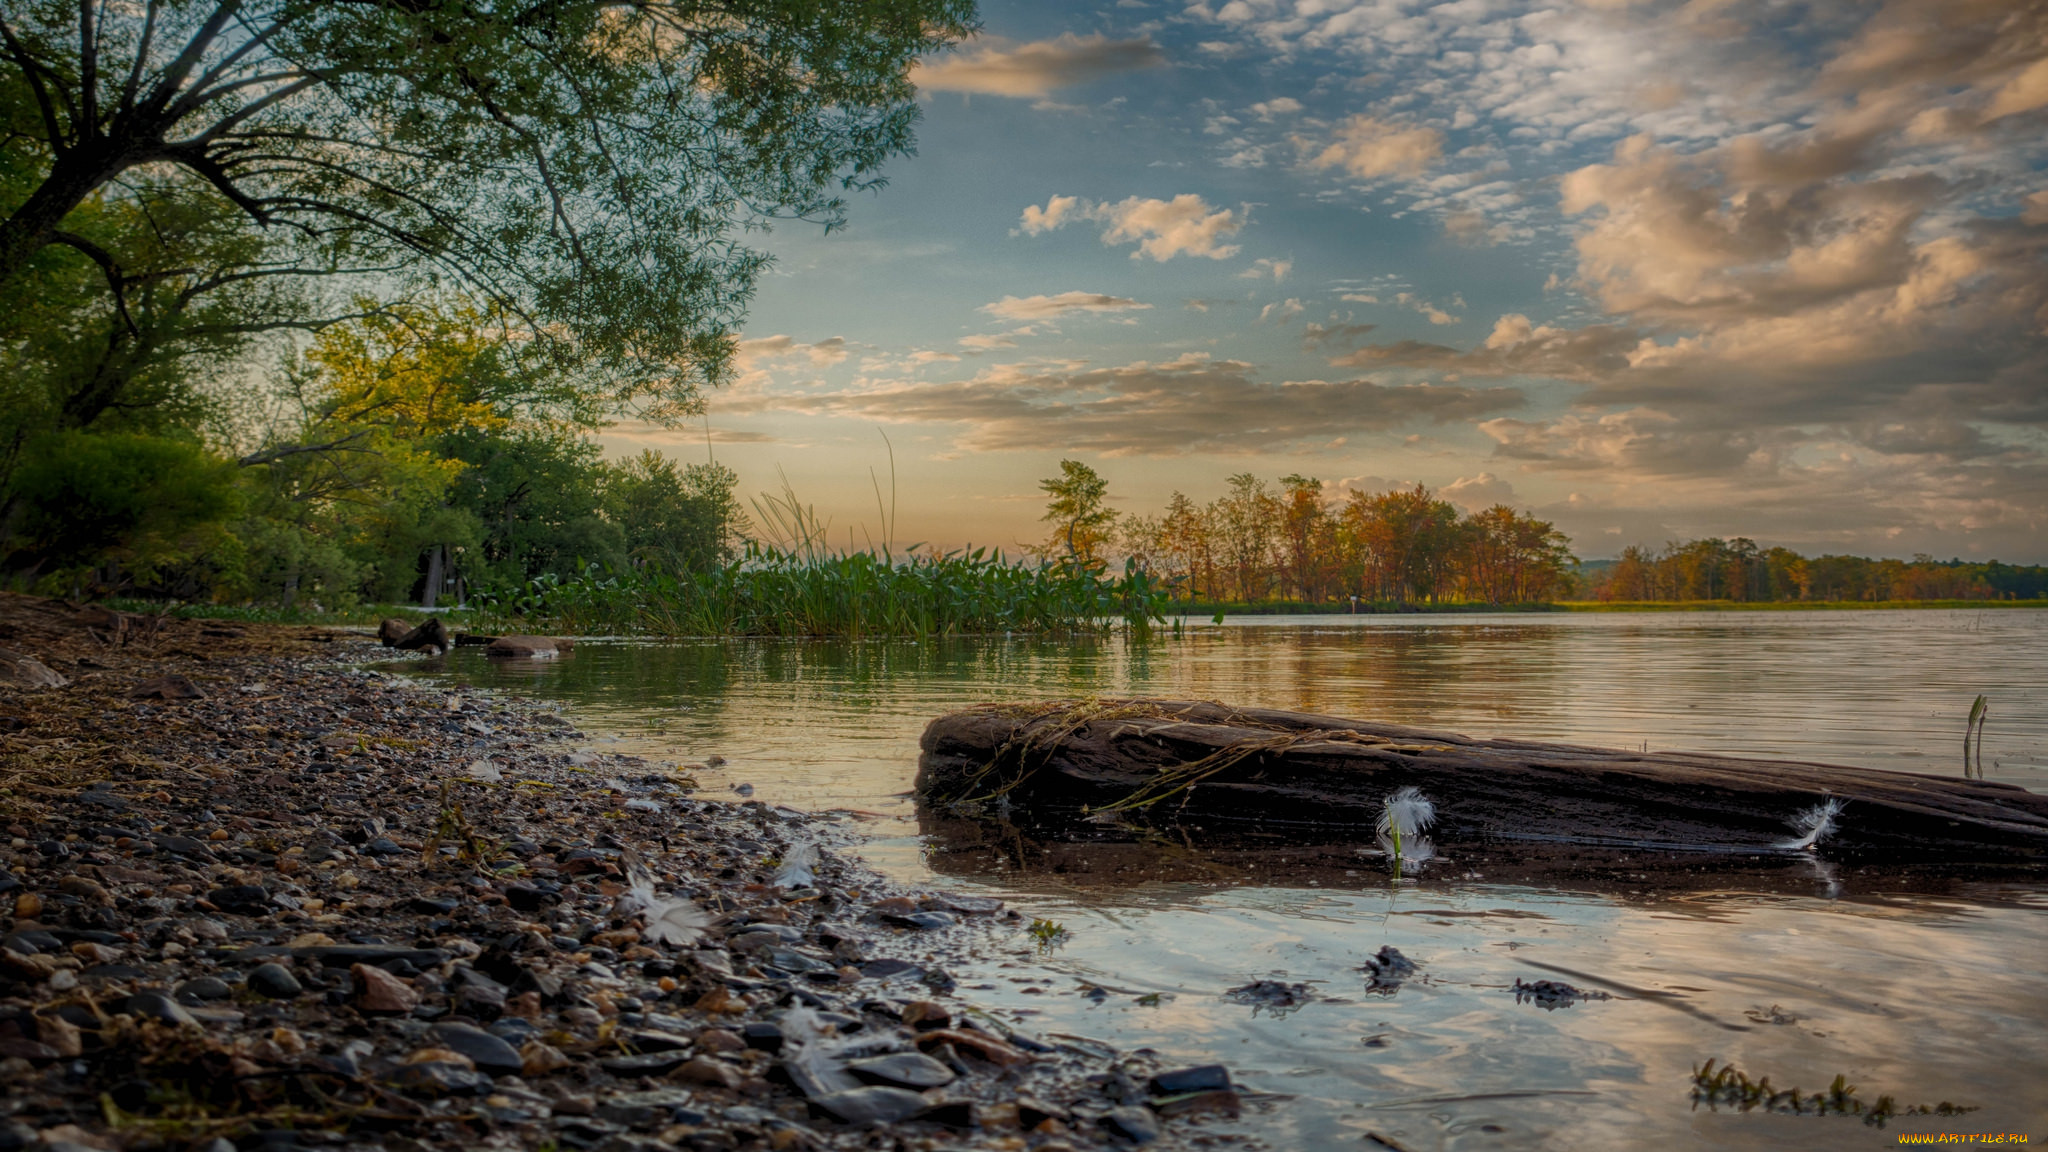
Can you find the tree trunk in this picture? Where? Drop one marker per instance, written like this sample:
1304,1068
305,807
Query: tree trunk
433,588
73,178
1278,776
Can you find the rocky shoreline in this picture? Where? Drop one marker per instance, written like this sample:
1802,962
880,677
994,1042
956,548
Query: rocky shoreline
259,898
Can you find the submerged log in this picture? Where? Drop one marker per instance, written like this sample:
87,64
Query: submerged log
1084,765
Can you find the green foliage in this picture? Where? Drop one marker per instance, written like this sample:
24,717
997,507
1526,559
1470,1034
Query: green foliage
1081,525
1739,571
769,592
143,502
678,519
592,165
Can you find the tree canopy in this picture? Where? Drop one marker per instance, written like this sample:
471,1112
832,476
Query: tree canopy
587,169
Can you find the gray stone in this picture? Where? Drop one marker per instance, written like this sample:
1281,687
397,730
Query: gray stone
912,1070
275,982
157,1006
487,1052
1137,1125
873,1104
647,1063
202,989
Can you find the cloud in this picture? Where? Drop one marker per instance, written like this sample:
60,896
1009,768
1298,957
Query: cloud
1047,307
824,352
1263,268
1187,405
1162,229
753,358
1036,69
1278,106
1281,311
1473,493
1318,337
1369,149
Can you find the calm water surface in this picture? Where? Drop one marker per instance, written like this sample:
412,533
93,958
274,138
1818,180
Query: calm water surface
1926,989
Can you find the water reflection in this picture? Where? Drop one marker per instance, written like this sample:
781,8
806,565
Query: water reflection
1925,985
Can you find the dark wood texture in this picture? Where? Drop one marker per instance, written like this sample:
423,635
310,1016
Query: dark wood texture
1297,774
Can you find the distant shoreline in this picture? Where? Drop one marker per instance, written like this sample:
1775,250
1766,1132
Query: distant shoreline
1287,608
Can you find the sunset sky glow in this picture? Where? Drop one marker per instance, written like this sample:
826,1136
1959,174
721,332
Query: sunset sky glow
1655,270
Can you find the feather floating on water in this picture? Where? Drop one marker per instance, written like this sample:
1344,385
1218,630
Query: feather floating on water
675,920
1816,822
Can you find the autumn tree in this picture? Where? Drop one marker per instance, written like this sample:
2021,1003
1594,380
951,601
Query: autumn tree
1408,537
1081,525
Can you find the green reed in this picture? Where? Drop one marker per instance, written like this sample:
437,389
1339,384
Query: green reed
783,592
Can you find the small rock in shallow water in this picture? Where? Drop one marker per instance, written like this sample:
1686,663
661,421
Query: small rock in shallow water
1270,994
1203,1078
1137,1125
1553,994
1386,969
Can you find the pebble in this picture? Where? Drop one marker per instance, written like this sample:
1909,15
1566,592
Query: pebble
381,992
489,1053
275,982
275,828
201,989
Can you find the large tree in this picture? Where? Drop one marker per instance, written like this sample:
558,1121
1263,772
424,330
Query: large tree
587,167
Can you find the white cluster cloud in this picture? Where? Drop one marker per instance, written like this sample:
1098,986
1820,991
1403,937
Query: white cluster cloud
1818,261
1049,307
1162,229
1369,148
1034,70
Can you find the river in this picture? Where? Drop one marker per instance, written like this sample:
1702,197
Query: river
1926,988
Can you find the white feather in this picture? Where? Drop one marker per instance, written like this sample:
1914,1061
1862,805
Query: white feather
1406,812
1816,822
674,920
797,865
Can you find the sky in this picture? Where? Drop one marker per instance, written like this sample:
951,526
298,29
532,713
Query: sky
1651,269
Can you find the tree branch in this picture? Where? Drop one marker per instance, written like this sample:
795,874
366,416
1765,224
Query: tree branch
273,455
134,81
33,73
116,282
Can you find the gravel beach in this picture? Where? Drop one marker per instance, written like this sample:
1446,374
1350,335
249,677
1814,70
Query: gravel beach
260,896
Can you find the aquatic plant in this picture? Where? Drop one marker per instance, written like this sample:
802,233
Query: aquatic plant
1973,765
804,591
1404,815
1049,933
1730,1087
1814,824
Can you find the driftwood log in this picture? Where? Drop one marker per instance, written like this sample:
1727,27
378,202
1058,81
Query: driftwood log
1087,766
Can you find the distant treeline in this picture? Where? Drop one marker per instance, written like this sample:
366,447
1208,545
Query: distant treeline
1255,543
1739,570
